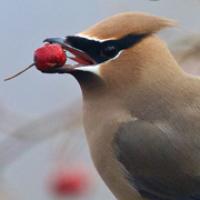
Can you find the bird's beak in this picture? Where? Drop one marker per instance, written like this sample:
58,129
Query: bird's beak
80,57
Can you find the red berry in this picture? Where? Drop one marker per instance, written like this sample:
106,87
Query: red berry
69,182
49,56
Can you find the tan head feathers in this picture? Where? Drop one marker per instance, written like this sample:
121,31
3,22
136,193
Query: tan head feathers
123,24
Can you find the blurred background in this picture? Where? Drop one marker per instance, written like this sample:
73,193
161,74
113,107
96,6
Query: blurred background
43,152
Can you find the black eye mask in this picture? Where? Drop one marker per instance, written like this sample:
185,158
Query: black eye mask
103,51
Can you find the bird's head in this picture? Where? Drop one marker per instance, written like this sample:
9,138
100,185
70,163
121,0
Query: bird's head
118,51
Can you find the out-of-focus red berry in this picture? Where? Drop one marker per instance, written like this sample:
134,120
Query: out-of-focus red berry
69,182
49,56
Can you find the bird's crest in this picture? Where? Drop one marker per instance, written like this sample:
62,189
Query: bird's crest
127,23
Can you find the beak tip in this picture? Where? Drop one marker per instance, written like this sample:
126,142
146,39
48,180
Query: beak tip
55,40
46,40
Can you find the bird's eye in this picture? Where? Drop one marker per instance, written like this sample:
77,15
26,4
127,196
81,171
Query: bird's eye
109,51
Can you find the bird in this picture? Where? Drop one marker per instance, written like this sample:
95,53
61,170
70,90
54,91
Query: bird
141,111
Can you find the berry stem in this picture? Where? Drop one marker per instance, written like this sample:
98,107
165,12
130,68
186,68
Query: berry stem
19,73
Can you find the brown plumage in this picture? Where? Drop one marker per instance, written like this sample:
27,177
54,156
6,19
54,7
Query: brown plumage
121,26
141,110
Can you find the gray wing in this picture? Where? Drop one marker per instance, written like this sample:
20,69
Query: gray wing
156,163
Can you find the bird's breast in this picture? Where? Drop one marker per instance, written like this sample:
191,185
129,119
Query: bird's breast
100,128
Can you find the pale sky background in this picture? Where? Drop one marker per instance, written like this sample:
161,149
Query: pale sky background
24,25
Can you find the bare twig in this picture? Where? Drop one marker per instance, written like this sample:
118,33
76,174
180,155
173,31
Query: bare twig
36,131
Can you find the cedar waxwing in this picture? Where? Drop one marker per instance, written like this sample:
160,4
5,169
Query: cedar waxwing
141,111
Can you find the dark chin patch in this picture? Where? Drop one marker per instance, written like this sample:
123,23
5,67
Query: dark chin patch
105,50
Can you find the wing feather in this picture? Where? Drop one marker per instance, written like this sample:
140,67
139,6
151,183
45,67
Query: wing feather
154,162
